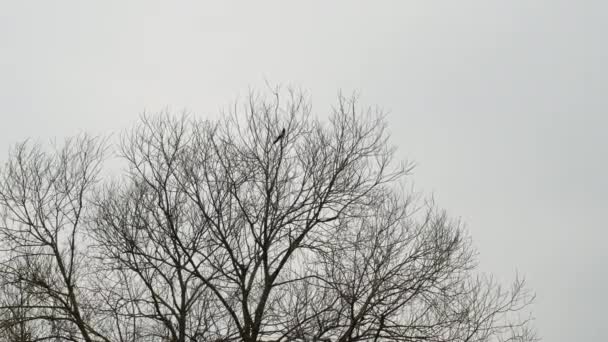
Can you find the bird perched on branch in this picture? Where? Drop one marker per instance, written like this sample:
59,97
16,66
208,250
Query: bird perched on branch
280,136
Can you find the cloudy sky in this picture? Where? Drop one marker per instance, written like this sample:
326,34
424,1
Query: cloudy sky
502,104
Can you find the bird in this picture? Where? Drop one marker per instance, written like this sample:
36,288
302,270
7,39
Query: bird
280,136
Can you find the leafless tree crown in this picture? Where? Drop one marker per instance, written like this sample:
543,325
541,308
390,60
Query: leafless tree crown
265,225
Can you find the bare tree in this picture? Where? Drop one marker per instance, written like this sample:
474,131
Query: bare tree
43,196
265,225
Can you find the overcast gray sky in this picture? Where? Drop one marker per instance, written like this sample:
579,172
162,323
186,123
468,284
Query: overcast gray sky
502,104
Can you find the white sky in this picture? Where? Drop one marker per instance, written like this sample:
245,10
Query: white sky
503,104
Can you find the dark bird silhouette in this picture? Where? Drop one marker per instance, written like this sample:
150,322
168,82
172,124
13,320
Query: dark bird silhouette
280,136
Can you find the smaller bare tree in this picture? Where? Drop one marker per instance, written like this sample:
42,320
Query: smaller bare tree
43,198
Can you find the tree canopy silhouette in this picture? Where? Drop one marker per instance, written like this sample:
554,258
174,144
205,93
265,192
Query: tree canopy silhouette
213,233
